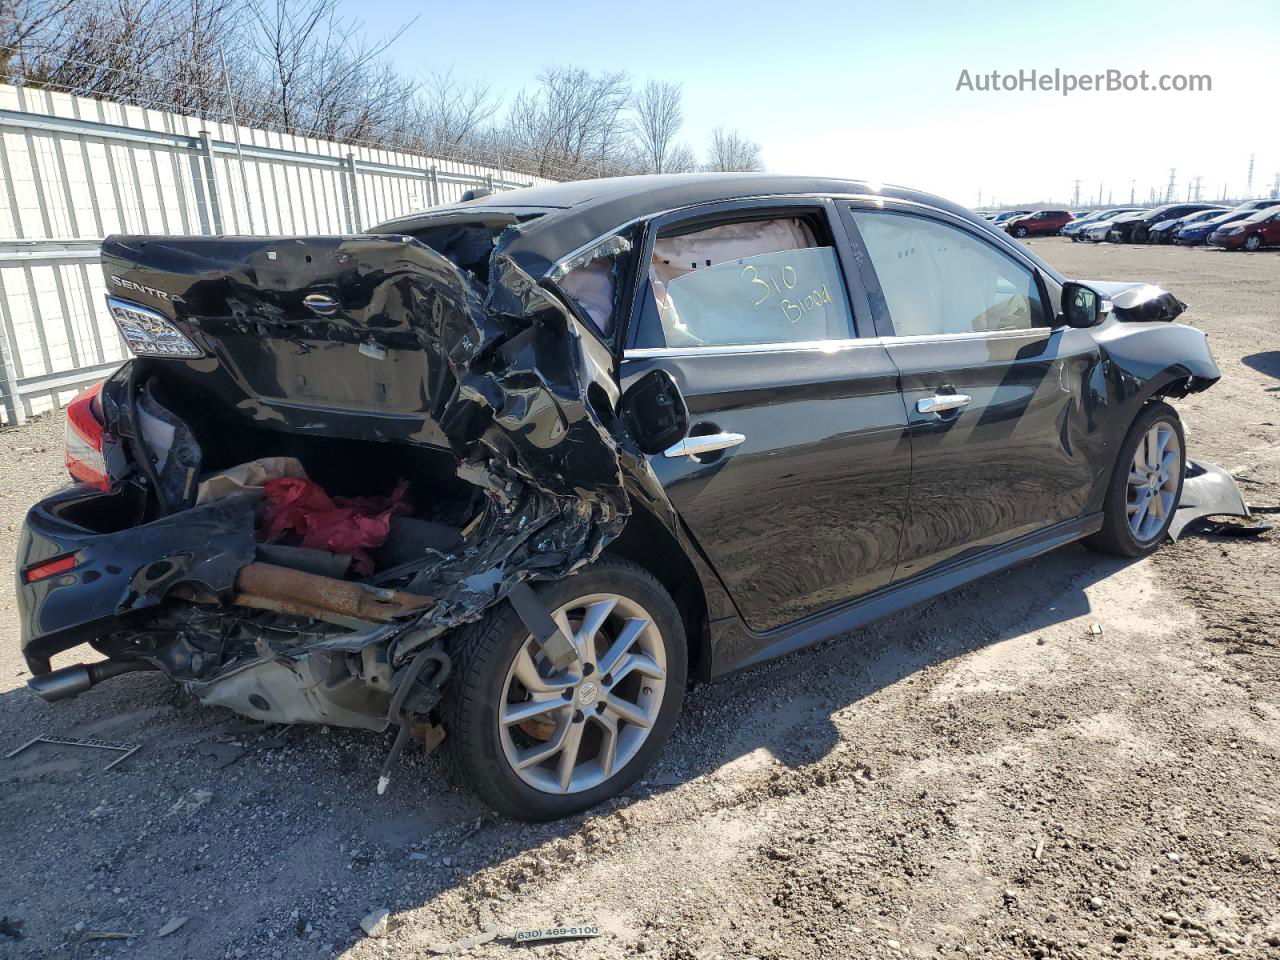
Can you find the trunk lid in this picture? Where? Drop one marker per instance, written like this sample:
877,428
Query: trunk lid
340,335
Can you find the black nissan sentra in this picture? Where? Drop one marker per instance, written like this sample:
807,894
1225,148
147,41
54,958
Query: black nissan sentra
524,466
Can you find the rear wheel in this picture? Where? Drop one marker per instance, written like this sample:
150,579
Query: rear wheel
538,743
1146,485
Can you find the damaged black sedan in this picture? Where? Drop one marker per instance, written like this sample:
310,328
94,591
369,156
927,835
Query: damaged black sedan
523,467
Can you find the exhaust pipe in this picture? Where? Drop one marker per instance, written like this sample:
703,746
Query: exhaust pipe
73,681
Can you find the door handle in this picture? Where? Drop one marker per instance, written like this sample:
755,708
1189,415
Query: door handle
942,402
707,443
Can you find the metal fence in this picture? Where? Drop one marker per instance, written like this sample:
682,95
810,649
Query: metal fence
74,170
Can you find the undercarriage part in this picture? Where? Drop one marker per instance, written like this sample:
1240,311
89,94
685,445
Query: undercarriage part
557,647
417,691
73,681
265,586
314,688
320,562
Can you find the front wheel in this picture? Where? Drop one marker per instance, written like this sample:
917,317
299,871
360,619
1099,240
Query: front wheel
1253,243
1146,484
538,743
1020,232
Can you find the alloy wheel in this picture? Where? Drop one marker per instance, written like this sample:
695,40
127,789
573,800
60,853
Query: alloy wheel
1153,481
571,730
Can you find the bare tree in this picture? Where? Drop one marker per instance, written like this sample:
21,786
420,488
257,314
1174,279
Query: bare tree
571,124
658,118
681,159
326,79
299,67
451,113
731,151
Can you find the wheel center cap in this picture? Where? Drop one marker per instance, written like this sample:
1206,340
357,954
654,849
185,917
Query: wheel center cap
587,693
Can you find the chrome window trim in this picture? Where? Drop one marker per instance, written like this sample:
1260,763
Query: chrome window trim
738,349
970,335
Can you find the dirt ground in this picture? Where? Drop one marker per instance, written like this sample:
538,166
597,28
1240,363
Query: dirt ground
984,775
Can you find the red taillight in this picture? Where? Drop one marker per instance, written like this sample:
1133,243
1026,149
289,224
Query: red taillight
50,568
86,460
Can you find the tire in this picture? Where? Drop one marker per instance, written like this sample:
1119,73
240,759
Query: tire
1118,534
1253,243
1020,232
482,751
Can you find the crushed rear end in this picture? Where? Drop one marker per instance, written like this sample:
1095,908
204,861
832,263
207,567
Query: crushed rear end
326,454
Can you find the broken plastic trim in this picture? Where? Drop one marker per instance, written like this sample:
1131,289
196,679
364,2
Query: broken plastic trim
607,248
1207,491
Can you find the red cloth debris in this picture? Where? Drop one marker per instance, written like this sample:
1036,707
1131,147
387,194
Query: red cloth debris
339,524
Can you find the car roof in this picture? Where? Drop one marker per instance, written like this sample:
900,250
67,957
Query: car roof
577,213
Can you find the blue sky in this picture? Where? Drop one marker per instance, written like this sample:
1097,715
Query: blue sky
869,90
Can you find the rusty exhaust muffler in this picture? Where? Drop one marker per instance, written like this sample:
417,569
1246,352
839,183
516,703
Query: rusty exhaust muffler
265,586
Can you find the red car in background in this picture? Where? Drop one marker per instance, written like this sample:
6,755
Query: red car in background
1042,222
1253,233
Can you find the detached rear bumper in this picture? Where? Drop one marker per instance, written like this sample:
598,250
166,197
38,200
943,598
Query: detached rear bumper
118,569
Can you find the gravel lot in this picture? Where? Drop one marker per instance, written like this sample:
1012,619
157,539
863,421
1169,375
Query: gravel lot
982,775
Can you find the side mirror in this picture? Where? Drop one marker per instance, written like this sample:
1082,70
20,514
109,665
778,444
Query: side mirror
654,412
1081,305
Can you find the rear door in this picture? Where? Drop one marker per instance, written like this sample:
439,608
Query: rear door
1001,402
799,495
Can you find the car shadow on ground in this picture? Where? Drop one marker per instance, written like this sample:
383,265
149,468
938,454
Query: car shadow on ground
297,805
1266,362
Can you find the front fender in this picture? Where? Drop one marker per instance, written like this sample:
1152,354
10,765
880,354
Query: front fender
1151,356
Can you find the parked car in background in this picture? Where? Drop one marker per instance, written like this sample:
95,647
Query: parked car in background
1163,232
1192,234
1076,228
1262,204
1252,233
530,418
1133,227
1039,224
1004,216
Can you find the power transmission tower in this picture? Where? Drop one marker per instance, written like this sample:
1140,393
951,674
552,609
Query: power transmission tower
1075,197
1248,184
1196,188
1169,193
1275,187
1132,185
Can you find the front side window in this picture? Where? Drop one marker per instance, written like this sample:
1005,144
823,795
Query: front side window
755,282
939,279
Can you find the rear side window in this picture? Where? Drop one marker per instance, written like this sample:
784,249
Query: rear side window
938,279
754,282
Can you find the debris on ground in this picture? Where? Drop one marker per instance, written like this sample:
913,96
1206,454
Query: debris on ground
126,750
539,934
191,801
171,926
1095,629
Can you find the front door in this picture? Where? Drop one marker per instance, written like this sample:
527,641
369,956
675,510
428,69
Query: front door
1001,400
795,482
